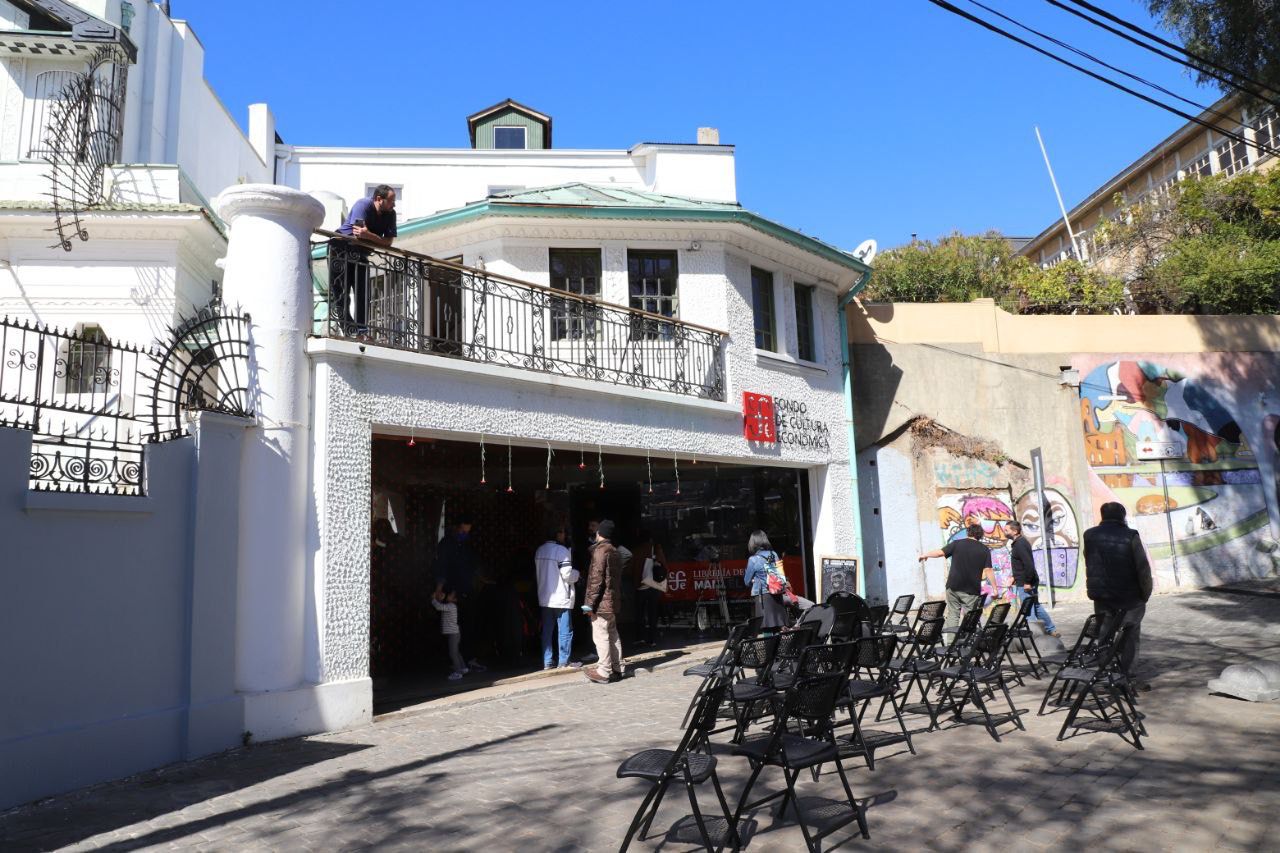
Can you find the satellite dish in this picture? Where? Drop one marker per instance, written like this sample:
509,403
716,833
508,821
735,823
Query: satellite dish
866,252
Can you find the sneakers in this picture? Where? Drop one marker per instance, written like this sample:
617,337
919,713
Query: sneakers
594,675
1054,633
573,664
455,676
475,666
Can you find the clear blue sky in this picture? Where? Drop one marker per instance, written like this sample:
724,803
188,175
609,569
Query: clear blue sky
851,119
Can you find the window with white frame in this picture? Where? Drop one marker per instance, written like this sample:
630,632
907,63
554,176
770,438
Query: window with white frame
652,286
574,271
47,89
1266,129
1233,154
509,137
762,307
806,348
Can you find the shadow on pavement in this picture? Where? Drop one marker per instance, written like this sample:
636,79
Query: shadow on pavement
36,827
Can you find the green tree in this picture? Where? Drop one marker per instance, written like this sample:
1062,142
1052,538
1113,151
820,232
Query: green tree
1241,35
954,268
1211,247
961,268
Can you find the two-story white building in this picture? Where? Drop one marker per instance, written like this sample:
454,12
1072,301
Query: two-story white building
556,336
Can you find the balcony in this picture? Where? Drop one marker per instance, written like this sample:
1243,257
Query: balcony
408,301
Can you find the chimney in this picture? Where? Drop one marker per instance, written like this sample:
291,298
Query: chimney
708,136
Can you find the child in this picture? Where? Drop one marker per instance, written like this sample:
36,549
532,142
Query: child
449,627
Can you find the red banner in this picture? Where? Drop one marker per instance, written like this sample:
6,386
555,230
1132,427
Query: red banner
758,423
693,580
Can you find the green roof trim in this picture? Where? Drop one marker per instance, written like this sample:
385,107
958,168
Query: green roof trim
587,201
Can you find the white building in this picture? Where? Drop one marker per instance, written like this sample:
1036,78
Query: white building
607,338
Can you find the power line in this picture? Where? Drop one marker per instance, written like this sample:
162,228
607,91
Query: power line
1205,63
942,4
1089,56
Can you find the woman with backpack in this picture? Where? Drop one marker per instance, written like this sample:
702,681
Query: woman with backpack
766,580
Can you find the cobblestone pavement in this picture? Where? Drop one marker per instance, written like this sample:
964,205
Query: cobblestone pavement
535,771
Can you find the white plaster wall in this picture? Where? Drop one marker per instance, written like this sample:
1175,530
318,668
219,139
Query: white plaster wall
435,179
135,277
358,393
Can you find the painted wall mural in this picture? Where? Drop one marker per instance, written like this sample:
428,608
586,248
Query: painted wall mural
992,508
1211,499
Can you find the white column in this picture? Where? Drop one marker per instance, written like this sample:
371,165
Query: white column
268,275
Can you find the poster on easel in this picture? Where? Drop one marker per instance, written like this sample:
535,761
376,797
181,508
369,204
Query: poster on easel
839,574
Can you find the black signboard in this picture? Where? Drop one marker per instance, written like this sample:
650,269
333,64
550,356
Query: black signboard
839,574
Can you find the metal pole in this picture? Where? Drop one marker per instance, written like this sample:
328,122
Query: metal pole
1046,519
1168,517
1065,219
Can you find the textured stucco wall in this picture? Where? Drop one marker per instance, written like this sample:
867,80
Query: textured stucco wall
357,394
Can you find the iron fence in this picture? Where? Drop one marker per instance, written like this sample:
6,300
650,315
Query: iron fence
93,402
410,301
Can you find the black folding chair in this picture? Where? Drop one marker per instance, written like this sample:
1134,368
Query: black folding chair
899,617
1020,631
824,615
879,615
756,657
980,671
962,635
818,659
721,664
874,678
792,644
1095,642
1109,686
690,763
922,659
809,703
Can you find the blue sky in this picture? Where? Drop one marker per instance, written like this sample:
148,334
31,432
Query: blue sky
851,119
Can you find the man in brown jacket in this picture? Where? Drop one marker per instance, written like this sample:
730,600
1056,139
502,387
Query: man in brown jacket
601,606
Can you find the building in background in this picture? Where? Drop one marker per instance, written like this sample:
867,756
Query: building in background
1191,151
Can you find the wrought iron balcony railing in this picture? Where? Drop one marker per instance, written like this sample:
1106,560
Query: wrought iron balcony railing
405,300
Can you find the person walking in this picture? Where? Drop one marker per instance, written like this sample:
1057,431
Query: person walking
970,565
769,605
1026,580
1118,575
556,577
601,606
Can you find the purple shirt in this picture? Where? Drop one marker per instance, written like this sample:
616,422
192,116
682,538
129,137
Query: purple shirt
382,224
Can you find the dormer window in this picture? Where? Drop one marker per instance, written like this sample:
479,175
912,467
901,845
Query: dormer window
509,137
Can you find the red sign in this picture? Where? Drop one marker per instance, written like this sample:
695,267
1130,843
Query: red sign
692,580
757,418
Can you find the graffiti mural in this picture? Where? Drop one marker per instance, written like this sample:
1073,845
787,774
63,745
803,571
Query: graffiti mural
1211,494
990,508
1064,535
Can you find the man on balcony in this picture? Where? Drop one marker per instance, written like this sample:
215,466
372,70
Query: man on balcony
371,221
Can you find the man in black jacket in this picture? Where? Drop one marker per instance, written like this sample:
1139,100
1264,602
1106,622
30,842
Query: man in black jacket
1026,580
1118,573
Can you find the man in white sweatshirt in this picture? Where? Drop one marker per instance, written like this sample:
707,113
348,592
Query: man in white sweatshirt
556,577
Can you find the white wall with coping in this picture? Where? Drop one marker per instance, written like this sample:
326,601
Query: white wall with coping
435,179
116,618
137,275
